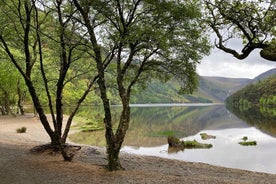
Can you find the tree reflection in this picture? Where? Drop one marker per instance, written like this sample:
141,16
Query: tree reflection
263,118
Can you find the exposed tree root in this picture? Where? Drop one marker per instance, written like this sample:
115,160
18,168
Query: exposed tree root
67,151
44,148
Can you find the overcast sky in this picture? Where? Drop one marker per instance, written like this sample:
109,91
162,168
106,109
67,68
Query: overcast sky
219,63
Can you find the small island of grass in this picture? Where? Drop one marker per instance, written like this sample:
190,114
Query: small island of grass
247,143
181,145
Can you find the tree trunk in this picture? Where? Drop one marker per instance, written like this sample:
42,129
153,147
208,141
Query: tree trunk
40,111
6,103
111,148
2,109
20,107
20,99
121,133
113,158
56,141
115,143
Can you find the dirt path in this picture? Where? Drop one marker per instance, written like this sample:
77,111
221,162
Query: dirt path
19,166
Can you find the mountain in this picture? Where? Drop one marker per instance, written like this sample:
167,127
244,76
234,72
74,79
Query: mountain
262,92
219,88
158,92
264,75
210,89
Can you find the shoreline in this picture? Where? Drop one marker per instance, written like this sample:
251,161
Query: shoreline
18,165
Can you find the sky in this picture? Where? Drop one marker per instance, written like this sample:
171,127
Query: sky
222,64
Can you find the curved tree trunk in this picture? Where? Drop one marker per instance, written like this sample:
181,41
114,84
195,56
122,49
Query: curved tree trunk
55,138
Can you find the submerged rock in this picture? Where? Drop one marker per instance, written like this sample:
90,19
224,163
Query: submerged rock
205,136
174,142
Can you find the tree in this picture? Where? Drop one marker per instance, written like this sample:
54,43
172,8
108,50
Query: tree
12,92
36,32
144,39
253,21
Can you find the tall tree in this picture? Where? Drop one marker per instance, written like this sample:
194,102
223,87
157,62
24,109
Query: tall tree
12,92
36,32
252,21
143,39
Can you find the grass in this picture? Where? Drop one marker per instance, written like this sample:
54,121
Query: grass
88,125
247,143
195,144
177,143
166,133
91,127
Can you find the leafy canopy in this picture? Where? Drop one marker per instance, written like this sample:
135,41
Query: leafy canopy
252,21
162,39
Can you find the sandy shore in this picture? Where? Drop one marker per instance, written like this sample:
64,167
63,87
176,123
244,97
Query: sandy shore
19,166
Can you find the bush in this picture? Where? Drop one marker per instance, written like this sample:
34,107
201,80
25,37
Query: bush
21,130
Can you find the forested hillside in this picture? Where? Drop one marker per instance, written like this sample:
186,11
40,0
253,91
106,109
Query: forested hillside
158,92
260,93
210,89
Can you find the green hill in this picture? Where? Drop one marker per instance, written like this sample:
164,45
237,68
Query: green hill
262,93
158,92
210,89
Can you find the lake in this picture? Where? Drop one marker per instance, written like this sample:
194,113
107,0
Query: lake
151,124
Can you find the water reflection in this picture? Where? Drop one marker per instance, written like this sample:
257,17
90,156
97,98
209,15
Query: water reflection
225,152
263,118
150,127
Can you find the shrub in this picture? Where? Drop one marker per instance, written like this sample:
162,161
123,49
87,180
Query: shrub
21,130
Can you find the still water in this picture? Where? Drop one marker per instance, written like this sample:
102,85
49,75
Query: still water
150,126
